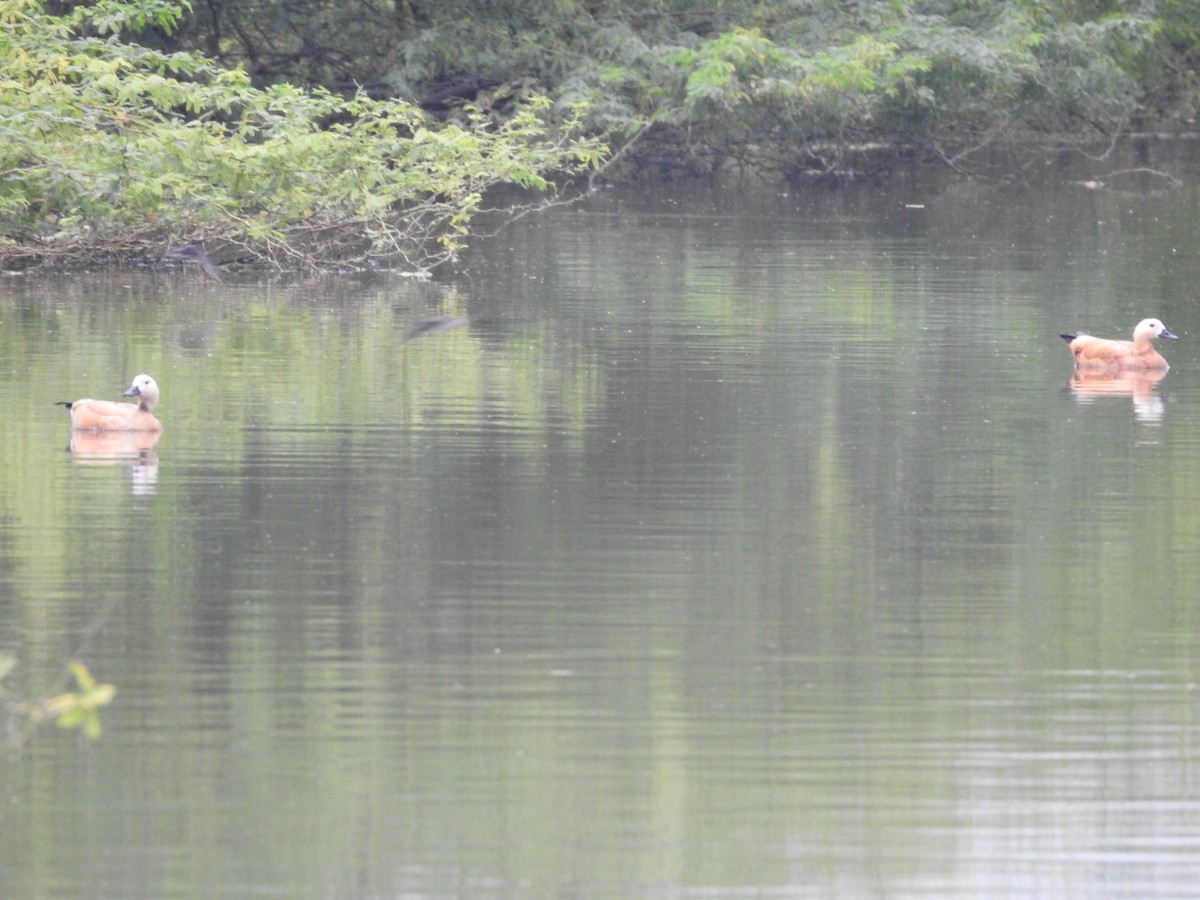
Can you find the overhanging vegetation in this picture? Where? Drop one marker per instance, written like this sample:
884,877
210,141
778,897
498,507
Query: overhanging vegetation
340,134
114,150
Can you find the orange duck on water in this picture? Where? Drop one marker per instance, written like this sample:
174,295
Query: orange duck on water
1104,353
105,415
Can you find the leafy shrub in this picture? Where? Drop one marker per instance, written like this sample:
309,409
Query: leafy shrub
109,148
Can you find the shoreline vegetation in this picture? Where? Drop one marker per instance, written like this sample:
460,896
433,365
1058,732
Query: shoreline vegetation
333,136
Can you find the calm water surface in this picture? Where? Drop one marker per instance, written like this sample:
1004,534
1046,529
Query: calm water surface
743,545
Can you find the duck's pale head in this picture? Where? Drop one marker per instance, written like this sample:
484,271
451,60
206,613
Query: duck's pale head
145,389
1149,329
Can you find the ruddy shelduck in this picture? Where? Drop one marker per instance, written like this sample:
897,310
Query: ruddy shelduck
1104,353
105,415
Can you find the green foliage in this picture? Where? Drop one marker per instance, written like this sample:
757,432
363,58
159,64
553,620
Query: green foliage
71,709
112,122
917,79
116,16
791,85
81,708
110,147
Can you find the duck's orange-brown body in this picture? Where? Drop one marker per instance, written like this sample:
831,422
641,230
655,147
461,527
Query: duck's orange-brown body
1103,353
105,415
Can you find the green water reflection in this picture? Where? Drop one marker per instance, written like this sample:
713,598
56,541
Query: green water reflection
735,548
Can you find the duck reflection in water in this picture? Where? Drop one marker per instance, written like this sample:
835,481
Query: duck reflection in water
1088,385
134,449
